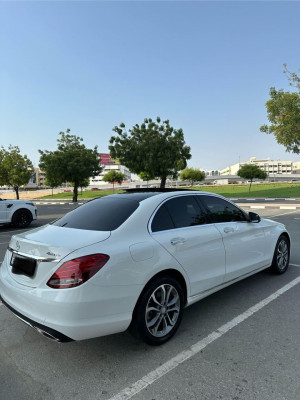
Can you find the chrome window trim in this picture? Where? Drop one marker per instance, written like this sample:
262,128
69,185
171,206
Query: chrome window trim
184,227
193,226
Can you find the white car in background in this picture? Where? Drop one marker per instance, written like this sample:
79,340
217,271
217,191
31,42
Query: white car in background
19,213
135,260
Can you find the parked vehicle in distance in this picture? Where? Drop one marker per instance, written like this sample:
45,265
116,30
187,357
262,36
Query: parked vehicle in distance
19,213
135,260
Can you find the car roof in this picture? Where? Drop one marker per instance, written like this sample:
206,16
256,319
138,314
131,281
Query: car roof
143,194
138,196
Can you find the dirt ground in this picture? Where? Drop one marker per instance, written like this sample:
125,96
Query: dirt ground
32,194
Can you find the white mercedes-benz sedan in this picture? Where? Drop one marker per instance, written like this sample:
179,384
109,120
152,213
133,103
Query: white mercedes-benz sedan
135,260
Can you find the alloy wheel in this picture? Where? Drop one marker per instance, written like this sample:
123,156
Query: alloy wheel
162,310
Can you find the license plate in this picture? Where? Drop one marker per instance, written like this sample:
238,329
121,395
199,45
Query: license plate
22,265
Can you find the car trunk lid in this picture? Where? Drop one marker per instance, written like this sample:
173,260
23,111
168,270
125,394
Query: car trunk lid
33,256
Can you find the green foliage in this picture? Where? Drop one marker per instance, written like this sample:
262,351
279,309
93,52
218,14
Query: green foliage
250,172
293,78
15,169
145,176
154,148
52,180
114,176
71,162
192,175
84,183
283,111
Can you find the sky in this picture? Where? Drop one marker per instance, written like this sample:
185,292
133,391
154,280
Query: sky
206,66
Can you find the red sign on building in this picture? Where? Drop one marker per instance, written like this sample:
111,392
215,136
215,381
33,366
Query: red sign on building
105,159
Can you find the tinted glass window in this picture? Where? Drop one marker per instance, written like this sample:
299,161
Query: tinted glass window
162,220
105,214
220,210
185,211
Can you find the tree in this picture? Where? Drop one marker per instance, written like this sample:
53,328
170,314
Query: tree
84,183
145,176
154,148
192,175
71,162
114,176
15,169
52,181
283,111
250,172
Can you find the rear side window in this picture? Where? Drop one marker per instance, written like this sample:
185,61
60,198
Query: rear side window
162,220
105,214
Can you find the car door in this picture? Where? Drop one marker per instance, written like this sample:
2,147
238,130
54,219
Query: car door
244,241
3,210
180,226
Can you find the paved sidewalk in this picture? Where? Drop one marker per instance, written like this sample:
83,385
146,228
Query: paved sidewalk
280,206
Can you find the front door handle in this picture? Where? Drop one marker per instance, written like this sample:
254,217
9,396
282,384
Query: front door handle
227,229
178,240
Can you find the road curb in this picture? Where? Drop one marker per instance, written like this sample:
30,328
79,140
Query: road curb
274,206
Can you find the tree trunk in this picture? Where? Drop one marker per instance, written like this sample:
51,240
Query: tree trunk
163,182
16,189
250,185
75,193
113,186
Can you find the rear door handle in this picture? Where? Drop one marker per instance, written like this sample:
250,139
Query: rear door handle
178,240
227,229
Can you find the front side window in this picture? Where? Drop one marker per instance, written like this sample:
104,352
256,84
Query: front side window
220,210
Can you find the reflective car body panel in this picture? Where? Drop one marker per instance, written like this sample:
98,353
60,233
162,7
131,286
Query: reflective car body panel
245,246
205,267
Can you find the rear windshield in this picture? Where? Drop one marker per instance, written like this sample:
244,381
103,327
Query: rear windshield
104,214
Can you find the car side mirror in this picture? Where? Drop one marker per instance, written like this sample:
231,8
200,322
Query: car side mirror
253,217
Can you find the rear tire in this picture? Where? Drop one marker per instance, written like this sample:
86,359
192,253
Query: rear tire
281,256
21,218
158,312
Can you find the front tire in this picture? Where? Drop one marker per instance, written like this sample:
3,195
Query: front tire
158,312
281,256
21,218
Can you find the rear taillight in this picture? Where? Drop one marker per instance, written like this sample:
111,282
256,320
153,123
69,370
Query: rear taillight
77,271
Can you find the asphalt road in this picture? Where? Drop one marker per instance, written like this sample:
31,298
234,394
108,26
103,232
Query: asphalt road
225,348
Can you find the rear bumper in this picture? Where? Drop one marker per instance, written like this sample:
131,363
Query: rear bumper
81,313
42,329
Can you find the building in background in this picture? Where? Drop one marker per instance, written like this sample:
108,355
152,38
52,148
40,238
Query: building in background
211,173
271,167
109,164
296,167
40,177
37,179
